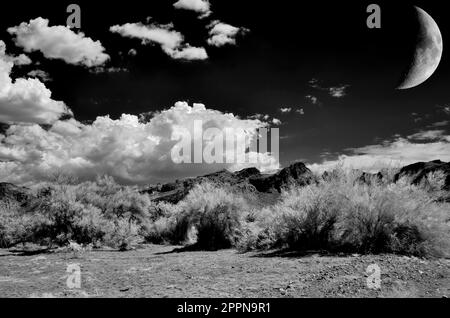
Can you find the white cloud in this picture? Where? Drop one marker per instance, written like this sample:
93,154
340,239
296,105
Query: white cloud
276,121
396,153
427,135
132,52
221,34
441,124
200,6
335,91
116,70
445,109
130,150
338,91
58,42
40,74
313,99
188,53
25,100
286,110
162,34
170,40
22,59
300,111
19,60
259,117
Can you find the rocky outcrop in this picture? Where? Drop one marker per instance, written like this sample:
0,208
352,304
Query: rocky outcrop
176,191
420,170
296,174
246,180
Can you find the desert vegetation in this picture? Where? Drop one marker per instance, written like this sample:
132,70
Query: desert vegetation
336,213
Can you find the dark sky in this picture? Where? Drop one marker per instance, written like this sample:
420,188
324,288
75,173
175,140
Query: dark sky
270,67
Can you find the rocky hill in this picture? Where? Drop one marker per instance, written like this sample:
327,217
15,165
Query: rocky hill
296,174
250,180
419,170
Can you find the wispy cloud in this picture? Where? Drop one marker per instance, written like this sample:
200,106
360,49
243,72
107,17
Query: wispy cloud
400,151
313,99
171,41
441,124
338,91
42,75
300,111
285,109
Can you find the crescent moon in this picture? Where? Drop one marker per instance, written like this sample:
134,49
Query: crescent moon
428,52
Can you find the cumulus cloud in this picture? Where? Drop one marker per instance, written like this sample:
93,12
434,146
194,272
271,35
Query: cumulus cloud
276,121
129,149
423,146
285,110
200,6
171,41
25,100
221,34
188,53
22,59
58,42
19,60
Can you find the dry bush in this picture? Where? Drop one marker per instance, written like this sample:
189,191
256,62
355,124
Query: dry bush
18,227
339,214
214,213
121,234
100,212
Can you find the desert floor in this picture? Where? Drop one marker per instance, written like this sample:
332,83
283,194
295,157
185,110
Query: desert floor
168,271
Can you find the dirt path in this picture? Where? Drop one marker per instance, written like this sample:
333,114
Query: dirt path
156,271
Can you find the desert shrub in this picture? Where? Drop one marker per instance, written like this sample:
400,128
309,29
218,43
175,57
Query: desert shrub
18,227
99,212
121,234
209,214
91,227
434,184
166,230
128,204
338,214
216,213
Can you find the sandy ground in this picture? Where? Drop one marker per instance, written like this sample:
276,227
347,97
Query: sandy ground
165,271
